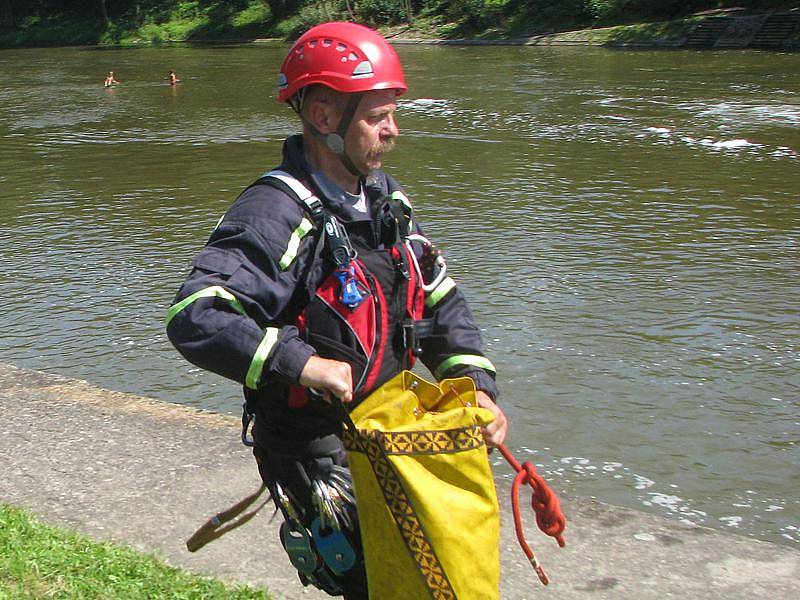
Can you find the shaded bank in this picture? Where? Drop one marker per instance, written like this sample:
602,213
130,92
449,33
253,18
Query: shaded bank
770,31
764,24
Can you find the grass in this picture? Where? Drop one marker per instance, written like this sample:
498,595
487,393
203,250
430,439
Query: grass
39,561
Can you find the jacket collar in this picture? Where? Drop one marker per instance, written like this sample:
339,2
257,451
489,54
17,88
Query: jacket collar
331,195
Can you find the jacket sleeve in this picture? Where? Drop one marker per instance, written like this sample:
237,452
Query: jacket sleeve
454,346
229,315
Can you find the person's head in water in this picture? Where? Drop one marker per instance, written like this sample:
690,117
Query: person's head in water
343,80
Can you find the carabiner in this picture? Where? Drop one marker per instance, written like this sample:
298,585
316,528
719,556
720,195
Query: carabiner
416,237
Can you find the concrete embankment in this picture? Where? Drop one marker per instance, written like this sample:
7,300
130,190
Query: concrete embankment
148,473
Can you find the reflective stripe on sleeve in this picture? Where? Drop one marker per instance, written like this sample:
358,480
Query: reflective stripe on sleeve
464,359
440,292
294,243
260,357
209,292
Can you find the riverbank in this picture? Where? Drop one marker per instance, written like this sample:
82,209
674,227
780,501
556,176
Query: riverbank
148,473
721,29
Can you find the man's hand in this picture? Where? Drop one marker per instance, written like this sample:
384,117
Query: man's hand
495,432
329,377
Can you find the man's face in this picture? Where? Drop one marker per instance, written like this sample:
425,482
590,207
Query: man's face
373,129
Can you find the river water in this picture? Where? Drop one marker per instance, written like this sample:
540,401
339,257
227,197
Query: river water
625,225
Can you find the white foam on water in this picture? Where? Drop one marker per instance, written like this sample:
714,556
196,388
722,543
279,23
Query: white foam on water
732,521
642,483
729,144
441,107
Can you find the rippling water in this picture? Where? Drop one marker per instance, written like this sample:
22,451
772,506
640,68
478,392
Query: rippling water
625,225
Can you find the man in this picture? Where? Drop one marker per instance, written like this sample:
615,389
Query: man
317,287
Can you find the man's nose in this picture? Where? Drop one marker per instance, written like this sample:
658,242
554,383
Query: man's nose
391,128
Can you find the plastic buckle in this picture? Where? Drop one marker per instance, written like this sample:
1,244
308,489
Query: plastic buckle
314,205
411,340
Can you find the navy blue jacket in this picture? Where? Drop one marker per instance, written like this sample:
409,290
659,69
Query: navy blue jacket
237,312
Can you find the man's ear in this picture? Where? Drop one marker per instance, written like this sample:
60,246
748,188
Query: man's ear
323,114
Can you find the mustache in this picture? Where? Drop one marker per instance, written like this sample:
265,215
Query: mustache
383,147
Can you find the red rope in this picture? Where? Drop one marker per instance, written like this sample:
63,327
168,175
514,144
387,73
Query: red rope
545,504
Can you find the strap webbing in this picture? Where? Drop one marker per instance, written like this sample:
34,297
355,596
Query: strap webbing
304,195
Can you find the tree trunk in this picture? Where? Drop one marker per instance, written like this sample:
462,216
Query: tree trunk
101,4
8,14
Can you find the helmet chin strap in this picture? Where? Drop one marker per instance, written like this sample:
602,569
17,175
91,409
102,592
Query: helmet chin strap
335,141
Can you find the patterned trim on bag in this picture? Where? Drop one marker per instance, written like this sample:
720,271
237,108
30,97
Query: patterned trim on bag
445,441
373,443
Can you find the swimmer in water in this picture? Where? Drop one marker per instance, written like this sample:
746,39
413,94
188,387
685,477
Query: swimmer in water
173,78
110,79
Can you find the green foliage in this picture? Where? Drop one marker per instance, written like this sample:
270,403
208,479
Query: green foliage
309,15
602,9
378,12
554,15
58,22
628,10
37,561
470,14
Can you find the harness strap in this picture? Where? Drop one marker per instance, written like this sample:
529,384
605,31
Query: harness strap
323,446
301,193
216,526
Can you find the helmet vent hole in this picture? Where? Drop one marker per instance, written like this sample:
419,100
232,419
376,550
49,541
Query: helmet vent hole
353,56
327,43
312,44
341,47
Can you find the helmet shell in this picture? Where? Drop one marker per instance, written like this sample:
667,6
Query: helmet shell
344,56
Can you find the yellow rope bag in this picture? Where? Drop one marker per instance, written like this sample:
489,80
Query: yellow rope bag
427,505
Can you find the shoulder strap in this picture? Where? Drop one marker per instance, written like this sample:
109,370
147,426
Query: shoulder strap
332,231
296,190
311,204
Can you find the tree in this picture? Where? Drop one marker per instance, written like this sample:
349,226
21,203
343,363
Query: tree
101,5
8,14
283,8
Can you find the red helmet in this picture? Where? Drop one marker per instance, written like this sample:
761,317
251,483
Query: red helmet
344,56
